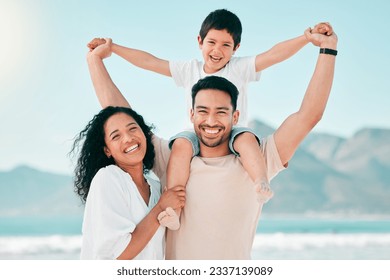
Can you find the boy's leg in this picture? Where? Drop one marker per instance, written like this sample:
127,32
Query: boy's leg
246,145
178,169
183,147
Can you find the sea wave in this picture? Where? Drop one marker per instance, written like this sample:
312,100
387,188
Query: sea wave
40,247
324,246
302,240
362,246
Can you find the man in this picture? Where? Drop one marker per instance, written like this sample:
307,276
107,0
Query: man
221,213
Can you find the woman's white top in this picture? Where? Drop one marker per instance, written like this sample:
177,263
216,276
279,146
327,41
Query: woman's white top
113,209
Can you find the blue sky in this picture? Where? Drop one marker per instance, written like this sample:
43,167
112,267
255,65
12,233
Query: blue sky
46,96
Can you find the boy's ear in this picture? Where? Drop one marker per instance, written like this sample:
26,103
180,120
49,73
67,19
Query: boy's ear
236,48
200,42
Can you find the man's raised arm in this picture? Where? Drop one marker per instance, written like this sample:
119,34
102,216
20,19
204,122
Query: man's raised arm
106,91
294,129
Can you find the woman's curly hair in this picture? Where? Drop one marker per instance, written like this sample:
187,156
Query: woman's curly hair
91,154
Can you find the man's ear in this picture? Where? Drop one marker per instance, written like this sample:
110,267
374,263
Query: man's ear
236,48
192,115
200,42
107,152
236,115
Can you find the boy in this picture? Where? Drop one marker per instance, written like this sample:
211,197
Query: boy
219,38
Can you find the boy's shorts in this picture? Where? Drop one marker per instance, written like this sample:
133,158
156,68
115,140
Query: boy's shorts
191,136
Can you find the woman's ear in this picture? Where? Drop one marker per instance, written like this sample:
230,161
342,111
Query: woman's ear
107,152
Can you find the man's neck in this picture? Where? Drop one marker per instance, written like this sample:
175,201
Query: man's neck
212,152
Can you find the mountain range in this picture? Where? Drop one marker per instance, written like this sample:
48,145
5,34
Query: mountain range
331,174
25,191
328,174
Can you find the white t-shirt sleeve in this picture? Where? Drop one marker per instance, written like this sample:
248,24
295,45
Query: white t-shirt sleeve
245,68
112,227
185,73
178,68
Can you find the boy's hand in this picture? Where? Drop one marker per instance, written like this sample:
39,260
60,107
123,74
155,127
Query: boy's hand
103,50
322,28
95,43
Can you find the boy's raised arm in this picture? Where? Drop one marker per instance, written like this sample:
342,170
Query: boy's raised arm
106,91
294,129
136,57
143,59
288,48
280,52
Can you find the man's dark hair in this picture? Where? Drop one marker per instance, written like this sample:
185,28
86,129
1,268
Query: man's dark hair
218,83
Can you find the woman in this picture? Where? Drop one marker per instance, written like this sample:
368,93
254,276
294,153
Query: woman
122,202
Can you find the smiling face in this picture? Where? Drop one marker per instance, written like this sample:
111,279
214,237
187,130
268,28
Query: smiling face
217,49
213,119
125,141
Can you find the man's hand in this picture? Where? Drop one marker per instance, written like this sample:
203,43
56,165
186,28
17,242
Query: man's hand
320,40
95,43
322,28
97,48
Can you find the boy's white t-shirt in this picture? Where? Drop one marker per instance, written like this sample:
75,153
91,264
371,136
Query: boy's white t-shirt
240,71
113,209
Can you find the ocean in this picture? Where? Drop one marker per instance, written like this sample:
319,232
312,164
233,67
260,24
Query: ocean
281,238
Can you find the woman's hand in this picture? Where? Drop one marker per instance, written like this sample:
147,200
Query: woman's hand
173,197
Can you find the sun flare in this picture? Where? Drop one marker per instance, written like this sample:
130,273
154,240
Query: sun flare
16,25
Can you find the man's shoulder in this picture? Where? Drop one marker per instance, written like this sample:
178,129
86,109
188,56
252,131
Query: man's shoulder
159,142
162,153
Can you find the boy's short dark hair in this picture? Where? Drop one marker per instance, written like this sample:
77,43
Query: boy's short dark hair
222,19
217,83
